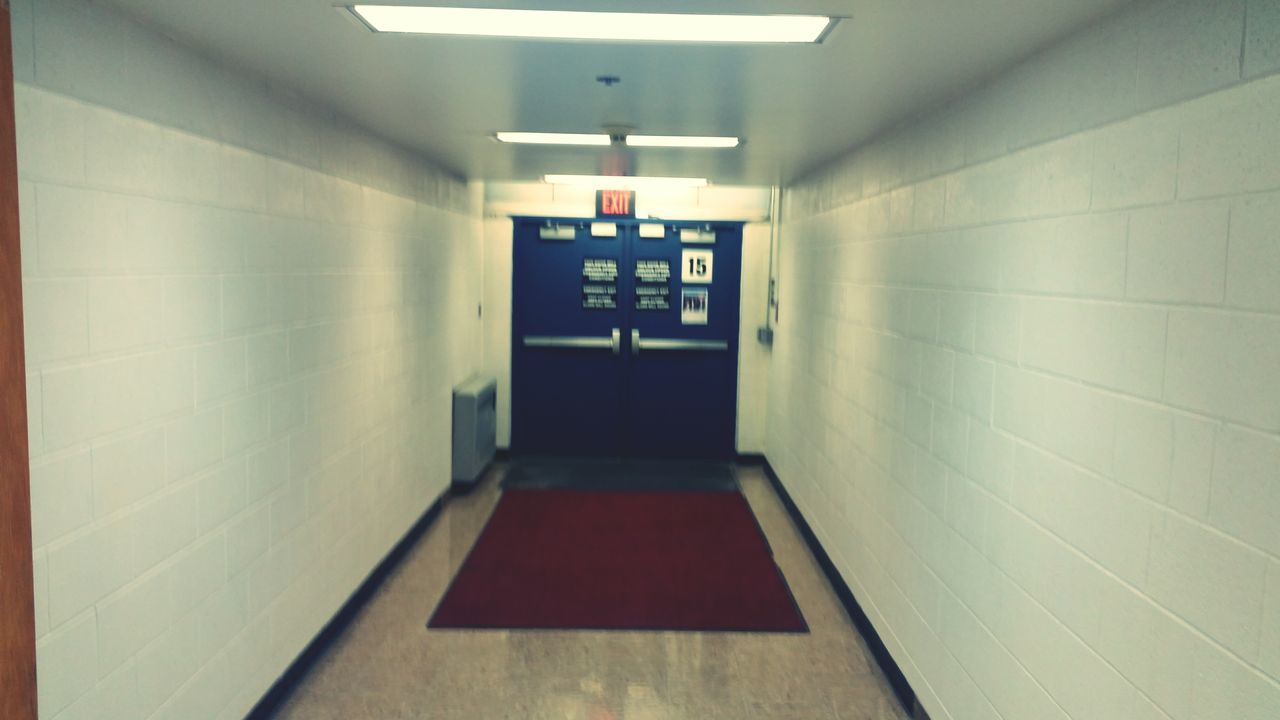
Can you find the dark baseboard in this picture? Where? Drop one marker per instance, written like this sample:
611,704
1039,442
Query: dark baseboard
898,681
283,687
750,459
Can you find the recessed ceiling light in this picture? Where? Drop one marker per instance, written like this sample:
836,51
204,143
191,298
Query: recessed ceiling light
681,141
601,26
625,182
538,138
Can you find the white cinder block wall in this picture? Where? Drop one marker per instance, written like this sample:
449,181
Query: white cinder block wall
243,320
1026,385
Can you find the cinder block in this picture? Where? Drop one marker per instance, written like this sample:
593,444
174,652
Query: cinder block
1226,687
28,241
51,136
1262,38
1117,346
1178,253
1192,469
87,401
1107,523
1144,449
1269,658
1082,256
1075,422
1011,689
163,526
220,370
1224,365
1136,162
1186,48
1153,650
55,320
127,154
68,662
242,179
223,616
131,618
61,497
1228,141
950,436
127,470
194,442
192,308
84,569
1246,497
1212,581
198,573
999,328
125,313
40,585
248,537
957,319
222,494
1253,259
937,368
990,459
974,379
164,665
247,423
1050,179
35,415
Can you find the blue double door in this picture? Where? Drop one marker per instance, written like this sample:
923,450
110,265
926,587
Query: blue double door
625,338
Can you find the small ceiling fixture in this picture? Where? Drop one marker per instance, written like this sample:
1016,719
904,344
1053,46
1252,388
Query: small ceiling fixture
625,182
597,26
667,141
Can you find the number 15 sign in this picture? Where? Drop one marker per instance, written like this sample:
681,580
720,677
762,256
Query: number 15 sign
695,266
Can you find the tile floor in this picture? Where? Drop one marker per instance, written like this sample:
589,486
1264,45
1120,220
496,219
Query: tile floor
388,666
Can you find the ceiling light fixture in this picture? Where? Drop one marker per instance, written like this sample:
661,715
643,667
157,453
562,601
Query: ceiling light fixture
538,138
598,26
665,141
682,141
625,182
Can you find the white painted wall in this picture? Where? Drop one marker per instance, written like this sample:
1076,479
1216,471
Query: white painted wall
1026,386
753,358
243,319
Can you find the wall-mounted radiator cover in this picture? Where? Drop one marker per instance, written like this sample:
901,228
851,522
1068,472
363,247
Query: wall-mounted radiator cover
474,427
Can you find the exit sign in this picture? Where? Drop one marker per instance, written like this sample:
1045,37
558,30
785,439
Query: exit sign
616,203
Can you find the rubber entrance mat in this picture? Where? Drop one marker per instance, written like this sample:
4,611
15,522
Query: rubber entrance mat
620,474
620,560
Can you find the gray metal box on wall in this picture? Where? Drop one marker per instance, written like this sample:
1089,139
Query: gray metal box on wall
474,427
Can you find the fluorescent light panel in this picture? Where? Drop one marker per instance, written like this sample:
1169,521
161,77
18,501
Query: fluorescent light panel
536,138
670,141
624,182
601,26
682,141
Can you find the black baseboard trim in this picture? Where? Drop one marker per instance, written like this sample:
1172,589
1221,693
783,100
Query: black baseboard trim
751,459
901,688
293,675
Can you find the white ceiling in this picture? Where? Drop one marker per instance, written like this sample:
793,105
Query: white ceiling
794,105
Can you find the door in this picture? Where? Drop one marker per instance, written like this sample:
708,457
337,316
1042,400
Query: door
684,360
626,343
566,349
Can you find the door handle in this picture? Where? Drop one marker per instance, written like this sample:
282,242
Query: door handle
638,344
573,341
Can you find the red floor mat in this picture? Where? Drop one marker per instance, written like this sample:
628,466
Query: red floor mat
620,560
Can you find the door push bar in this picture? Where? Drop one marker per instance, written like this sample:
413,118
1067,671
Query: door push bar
613,343
638,344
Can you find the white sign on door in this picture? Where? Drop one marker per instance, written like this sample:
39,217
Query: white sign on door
695,266
693,306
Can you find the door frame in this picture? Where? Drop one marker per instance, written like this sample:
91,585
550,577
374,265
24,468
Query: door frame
17,603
